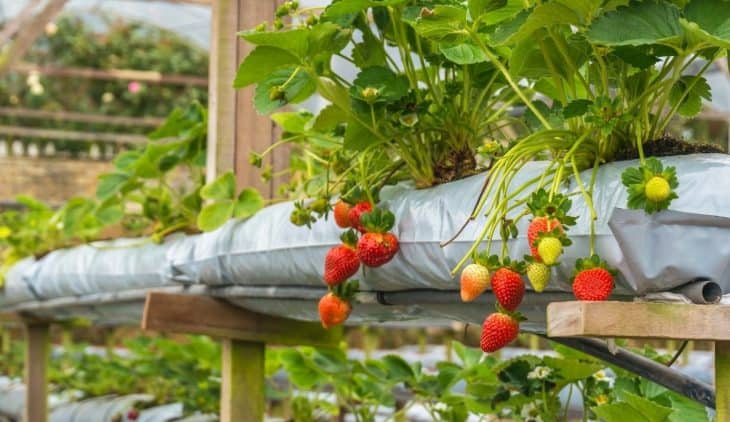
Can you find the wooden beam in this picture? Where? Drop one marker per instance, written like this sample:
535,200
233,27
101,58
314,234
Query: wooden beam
149,76
18,21
214,317
639,320
242,381
36,377
30,33
722,381
71,135
71,116
235,128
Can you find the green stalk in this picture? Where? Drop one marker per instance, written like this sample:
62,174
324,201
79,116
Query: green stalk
691,85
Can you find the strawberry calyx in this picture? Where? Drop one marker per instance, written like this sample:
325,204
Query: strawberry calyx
347,290
494,263
540,205
650,186
349,238
589,263
481,258
515,315
556,233
378,220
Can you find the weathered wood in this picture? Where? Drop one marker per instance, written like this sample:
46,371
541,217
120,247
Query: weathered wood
36,377
18,21
72,116
638,320
214,317
149,76
243,381
722,380
235,129
31,31
72,135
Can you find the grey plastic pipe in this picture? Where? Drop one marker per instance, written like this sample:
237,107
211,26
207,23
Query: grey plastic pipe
701,291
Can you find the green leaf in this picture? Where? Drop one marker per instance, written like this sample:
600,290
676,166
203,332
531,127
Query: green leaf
479,7
619,412
465,53
690,103
510,9
346,7
442,23
292,121
390,87
334,93
328,118
686,409
357,136
572,370
248,203
544,15
110,215
398,369
576,108
260,63
294,83
709,20
643,23
215,215
110,184
369,52
295,41
649,409
222,188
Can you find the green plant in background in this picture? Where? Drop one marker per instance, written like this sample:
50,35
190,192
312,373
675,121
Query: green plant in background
315,384
110,44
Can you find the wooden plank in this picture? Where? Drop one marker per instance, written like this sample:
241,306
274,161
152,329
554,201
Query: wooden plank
638,320
149,76
214,317
30,33
72,135
235,128
71,116
36,377
722,381
18,21
243,381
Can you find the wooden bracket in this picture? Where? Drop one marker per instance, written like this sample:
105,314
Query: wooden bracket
652,320
36,374
245,335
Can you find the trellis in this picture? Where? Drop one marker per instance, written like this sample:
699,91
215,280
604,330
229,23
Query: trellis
235,129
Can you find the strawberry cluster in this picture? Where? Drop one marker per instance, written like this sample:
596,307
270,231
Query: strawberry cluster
374,247
546,236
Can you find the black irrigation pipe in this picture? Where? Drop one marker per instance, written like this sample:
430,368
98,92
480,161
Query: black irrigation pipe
661,374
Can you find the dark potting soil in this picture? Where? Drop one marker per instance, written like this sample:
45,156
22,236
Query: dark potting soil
666,146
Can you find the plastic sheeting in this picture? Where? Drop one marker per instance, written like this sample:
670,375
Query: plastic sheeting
654,253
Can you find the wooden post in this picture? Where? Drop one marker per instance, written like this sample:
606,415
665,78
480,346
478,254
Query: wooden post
242,385
36,378
722,380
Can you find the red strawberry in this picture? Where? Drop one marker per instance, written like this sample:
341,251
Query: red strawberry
375,249
474,281
340,264
592,280
498,330
356,212
341,211
333,310
508,287
593,284
133,414
540,225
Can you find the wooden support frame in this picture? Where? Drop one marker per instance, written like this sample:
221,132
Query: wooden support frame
36,373
149,76
652,320
244,334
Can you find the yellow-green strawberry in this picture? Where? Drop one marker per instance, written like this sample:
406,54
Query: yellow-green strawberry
549,248
539,275
657,189
474,281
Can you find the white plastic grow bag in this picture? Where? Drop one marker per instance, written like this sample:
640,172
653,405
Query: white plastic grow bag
654,253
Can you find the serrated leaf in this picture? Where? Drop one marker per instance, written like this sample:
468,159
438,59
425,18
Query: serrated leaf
110,184
619,412
224,187
544,15
346,7
292,121
357,136
297,87
110,215
649,409
640,23
391,87
398,369
576,108
215,215
442,23
295,41
479,7
260,63
329,118
709,20
690,103
464,53
249,201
